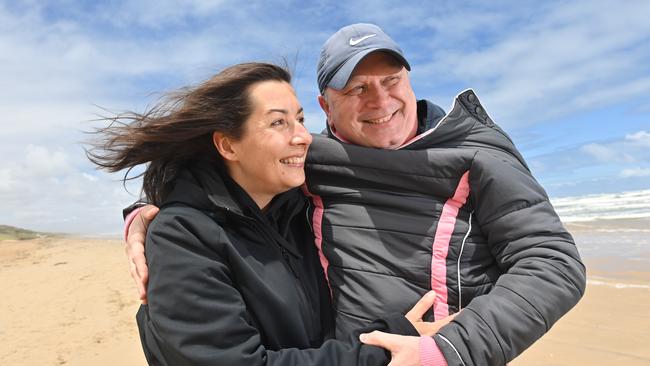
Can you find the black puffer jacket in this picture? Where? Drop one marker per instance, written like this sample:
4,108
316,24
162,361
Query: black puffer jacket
230,285
457,211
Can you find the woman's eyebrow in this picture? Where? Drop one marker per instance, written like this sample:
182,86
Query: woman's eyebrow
283,111
278,110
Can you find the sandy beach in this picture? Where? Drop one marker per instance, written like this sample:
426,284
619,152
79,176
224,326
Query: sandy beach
71,301
67,301
611,324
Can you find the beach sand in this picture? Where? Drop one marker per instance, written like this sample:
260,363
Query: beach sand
67,301
71,301
611,324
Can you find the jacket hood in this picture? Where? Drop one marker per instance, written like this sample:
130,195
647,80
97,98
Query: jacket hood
466,125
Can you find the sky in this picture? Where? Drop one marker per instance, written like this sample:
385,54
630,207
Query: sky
568,80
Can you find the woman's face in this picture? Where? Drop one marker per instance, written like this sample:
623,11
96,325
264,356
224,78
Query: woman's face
270,156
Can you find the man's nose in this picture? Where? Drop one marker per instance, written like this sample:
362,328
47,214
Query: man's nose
378,97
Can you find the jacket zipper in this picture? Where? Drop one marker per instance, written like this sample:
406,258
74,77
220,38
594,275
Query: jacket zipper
300,288
285,256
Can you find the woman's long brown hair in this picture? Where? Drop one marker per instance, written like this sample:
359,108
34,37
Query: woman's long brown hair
179,129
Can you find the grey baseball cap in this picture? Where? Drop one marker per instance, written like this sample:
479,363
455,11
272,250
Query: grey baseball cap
347,47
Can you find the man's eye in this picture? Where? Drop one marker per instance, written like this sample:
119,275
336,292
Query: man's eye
356,90
301,120
392,80
277,122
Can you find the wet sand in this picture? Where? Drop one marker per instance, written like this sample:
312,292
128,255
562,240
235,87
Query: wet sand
71,301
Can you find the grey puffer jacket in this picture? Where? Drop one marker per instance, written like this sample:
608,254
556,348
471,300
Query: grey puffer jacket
456,210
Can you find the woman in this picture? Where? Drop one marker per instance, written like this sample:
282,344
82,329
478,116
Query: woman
234,276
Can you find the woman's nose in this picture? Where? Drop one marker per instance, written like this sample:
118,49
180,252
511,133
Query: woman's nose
301,135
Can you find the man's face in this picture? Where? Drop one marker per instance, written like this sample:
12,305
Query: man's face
377,107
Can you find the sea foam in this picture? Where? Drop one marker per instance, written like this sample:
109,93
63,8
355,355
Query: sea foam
623,205
617,284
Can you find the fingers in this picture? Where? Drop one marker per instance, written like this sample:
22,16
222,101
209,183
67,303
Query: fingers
404,349
140,283
446,320
425,303
149,212
141,222
135,249
137,264
142,273
380,339
431,328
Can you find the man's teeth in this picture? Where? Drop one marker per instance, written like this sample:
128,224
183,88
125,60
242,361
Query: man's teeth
381,120
295,160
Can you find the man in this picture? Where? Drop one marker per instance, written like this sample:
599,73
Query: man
408,200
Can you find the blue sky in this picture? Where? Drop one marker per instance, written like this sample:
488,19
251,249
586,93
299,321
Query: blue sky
568,80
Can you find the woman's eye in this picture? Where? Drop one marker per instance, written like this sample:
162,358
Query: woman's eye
277,122
301,120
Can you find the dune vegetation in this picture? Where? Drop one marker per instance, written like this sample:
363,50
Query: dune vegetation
14,233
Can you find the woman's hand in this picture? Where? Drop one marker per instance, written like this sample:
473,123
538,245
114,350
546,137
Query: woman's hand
134,248
404,350
417,312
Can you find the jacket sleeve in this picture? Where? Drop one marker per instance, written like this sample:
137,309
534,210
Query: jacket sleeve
197,316
543,276
134,206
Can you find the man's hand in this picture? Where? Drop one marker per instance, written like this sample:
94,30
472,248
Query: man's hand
404,350
135,248
417,311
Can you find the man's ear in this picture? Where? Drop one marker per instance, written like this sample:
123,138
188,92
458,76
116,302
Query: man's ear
224,145
326,108
323,104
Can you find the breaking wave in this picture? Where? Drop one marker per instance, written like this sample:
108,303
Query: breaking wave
623,205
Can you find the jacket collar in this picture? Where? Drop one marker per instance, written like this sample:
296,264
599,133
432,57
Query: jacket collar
207,187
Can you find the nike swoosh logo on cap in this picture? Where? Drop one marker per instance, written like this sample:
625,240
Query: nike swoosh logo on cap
354,42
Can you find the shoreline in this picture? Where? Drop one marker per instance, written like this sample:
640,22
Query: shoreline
636,224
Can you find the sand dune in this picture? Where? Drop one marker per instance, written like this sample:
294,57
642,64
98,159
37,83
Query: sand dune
70,301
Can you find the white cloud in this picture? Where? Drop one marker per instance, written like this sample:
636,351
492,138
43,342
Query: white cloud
564,58
158,14
642,138
635,172
626,89
601,159
89,177
6,180
606,154
40,162
47,189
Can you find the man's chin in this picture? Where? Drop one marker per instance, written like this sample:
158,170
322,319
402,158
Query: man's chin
385,144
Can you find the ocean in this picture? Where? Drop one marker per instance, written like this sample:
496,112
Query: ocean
623,205
612,232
